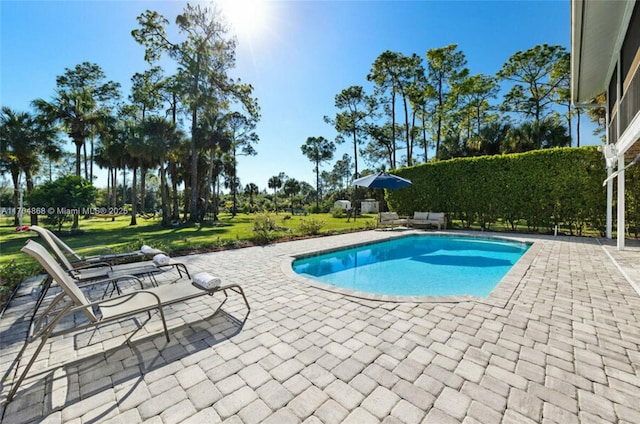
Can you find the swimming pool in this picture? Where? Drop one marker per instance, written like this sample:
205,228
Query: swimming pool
417,265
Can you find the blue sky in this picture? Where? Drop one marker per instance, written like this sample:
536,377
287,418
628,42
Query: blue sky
298,55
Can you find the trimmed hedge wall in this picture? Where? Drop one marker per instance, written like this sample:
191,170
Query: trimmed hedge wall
539,189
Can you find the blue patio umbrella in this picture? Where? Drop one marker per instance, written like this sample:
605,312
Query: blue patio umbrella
382,180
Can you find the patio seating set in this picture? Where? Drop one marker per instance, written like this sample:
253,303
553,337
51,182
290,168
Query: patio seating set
419,220
116,304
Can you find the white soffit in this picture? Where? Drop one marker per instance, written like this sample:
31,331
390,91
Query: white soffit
597,32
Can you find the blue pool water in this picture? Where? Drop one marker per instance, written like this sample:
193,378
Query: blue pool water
417,266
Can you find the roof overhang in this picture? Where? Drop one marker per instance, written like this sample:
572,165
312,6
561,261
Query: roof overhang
597,33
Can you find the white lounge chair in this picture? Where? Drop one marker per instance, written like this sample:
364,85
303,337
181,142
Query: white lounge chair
390,219
72,300
96,269
78,259
423,219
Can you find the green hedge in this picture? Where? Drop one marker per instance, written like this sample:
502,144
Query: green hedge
539,189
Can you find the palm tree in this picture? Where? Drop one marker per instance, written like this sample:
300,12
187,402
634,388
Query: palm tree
291,188
213,136
537,135
251,190
231,181
75,111
177,157
23,138
318,150
275,183
132,160
110,154
242,135
161,135
79,104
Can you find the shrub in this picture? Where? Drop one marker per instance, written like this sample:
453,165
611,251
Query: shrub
311,227
63,197
13,273
542,188
371,224
264,227
315,209
337,212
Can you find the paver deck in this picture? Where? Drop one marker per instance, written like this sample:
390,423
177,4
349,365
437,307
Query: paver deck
559,344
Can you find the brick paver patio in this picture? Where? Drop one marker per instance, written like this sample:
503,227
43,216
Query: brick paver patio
557,342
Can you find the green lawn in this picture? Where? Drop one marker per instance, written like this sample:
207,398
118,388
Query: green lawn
120,236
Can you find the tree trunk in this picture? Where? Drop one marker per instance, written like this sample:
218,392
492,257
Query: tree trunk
78,174
134,200
318,185
16,196
194,213
29,178
210,189
91,163
413,125
86,163
393,126
424,137
406,130
108,186
216,191
193,216
143,188
166,215
175,214
355,152
439,112
124,185
234,188
114,187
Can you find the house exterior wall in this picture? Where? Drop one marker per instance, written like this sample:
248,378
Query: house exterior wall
623,92
623,114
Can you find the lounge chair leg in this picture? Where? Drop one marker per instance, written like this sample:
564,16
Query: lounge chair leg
164,323
43,292
182,267
17,383
246,302
241,291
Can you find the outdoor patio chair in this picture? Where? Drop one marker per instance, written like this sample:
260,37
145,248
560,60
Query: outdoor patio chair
72,300
78,259
97,270
390,219
94,273
423,219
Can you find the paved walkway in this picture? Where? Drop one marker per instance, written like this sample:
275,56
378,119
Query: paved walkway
558,343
